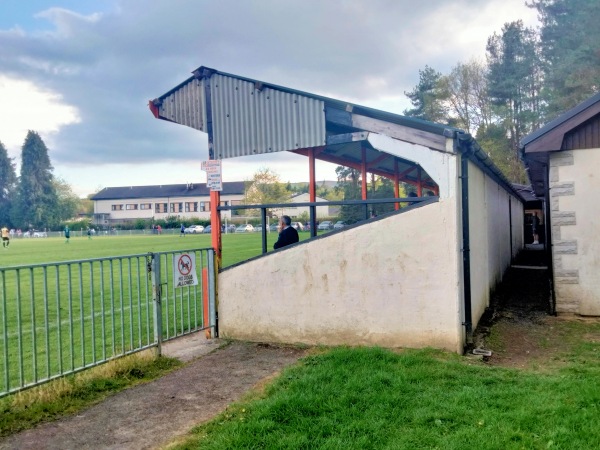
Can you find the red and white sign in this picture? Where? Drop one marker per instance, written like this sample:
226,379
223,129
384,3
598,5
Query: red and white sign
184,270
212,168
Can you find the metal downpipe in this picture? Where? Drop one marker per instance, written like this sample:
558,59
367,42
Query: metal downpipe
466,250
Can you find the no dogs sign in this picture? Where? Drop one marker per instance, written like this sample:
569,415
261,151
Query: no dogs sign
184,270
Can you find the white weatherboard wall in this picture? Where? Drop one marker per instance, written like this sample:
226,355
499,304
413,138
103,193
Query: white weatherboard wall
575,219
393,282
490,235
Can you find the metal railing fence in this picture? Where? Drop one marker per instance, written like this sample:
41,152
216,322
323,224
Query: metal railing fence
61,318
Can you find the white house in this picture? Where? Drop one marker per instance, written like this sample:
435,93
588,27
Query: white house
296,211
113,205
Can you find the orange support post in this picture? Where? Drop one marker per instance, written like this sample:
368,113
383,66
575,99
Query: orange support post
312,190
215,224
419,183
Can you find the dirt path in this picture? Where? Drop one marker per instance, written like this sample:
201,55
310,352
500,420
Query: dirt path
150,415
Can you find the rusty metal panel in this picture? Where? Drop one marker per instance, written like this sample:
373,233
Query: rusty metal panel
186,105
249,118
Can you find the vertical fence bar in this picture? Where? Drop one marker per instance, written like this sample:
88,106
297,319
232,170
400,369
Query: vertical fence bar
156,296
149,269
139,298
112,306
58,319
33,329
81,315
122,307
5,334
71,319
93,312
166,302
102,310
131,346
46,324
19,328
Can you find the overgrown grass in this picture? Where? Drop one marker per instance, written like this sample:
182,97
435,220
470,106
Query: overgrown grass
371,398
70,394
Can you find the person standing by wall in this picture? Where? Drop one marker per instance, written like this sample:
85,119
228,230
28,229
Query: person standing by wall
5,237
288,234
535,225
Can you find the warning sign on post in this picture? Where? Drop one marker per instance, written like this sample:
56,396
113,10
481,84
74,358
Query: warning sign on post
184,270
213,174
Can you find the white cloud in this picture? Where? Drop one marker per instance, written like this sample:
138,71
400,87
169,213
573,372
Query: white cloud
27,107
84,82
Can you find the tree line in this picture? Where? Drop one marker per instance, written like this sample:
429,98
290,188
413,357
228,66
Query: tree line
35,199
530,76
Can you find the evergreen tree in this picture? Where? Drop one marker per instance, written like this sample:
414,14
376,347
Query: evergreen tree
8,180
427,97
514,80
36,202
570,49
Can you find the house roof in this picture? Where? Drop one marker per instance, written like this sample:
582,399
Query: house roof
167,190
536,147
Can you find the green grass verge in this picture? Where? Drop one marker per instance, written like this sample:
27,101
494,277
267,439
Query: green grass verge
71,394
371,398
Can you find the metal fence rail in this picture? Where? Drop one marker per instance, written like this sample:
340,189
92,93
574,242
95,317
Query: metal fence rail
61,318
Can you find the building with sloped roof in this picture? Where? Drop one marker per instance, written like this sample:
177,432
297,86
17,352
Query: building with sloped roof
115,205
562,160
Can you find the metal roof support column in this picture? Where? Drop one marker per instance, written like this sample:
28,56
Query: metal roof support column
312,191
419,183
396,184
215,223
363,172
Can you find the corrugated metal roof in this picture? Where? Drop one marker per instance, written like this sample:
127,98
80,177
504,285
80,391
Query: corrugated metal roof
167,190
186,105
252,117
247,120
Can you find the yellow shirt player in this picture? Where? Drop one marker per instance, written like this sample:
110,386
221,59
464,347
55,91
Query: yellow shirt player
5,237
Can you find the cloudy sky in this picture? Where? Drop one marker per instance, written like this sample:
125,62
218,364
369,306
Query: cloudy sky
81,72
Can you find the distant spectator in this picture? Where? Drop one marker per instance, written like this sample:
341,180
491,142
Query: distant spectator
535,224
67,234
288,234
182,233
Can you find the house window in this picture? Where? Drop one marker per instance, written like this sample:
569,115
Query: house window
176,207
131,206
225,203
145,205
117,207
191,206
204,206
160,207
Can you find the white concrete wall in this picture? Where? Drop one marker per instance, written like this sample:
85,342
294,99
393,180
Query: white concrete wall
392,282
490,236
575,220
